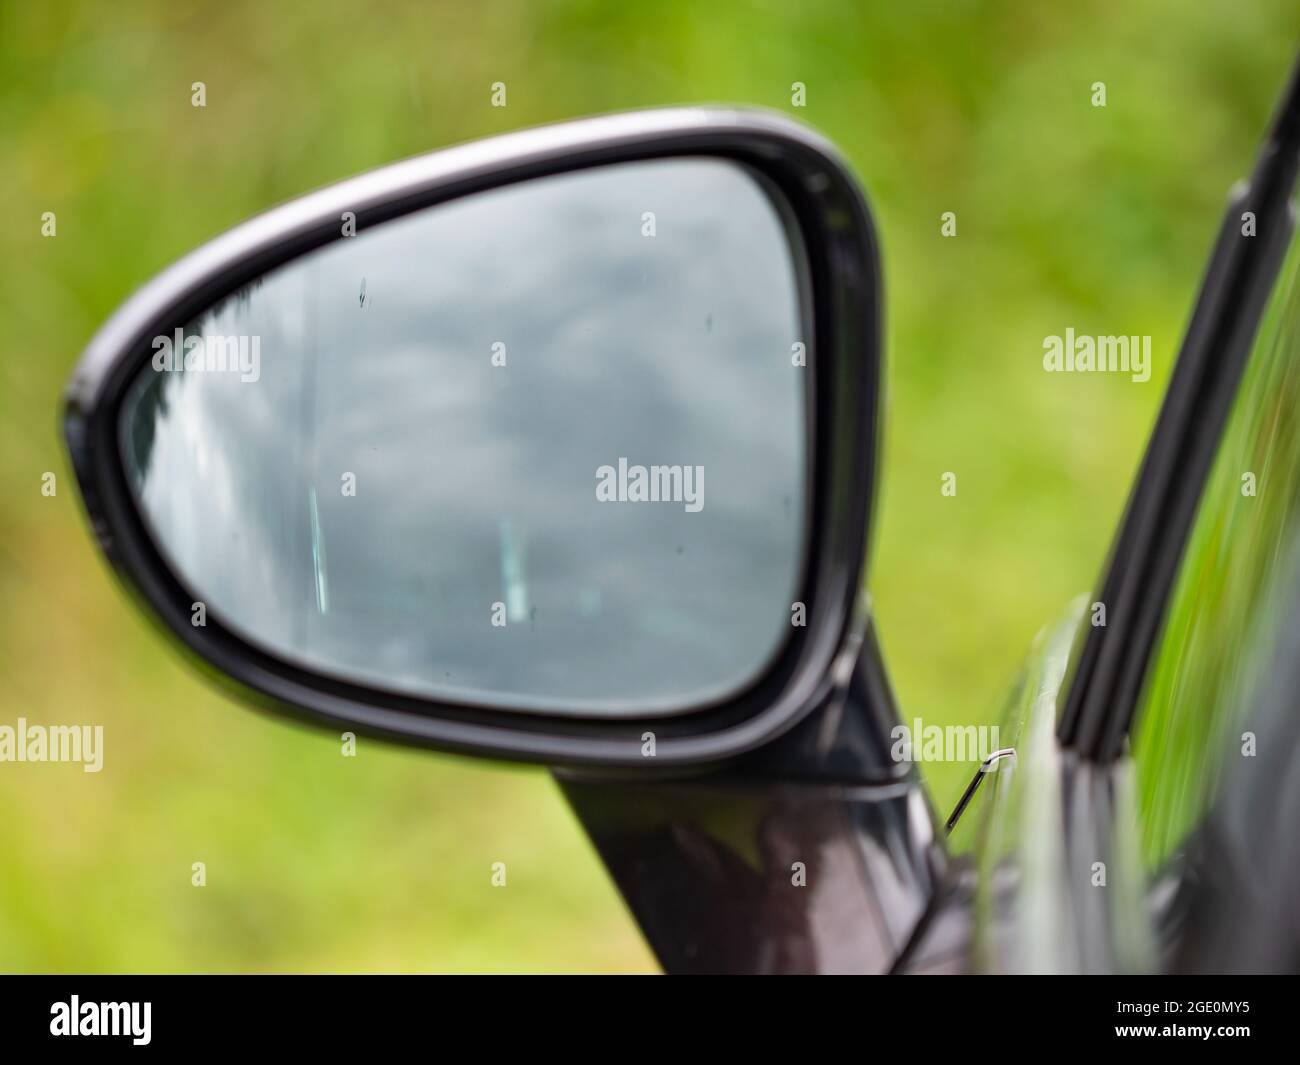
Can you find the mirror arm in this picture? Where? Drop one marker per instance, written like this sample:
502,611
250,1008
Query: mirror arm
815,854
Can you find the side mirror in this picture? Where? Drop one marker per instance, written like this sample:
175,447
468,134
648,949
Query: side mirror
525,448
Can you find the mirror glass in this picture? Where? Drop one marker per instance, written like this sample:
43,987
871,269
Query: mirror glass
541,447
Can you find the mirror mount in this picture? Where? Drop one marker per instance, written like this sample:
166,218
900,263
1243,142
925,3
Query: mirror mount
816,854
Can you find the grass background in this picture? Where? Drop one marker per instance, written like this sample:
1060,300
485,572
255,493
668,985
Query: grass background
1068,215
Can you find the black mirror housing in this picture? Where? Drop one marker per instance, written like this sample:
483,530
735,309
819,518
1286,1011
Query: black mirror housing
842,363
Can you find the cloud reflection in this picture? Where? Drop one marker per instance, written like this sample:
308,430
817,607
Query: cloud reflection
475,483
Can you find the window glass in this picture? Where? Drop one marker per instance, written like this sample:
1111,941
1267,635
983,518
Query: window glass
1223,616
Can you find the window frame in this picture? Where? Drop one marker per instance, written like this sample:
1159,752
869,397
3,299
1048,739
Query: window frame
1108,664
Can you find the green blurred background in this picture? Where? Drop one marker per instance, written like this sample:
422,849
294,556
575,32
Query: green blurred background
1068,215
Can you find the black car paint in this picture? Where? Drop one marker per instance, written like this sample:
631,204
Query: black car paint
817,854
1231,904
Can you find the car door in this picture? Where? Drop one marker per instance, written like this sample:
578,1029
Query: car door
1129,717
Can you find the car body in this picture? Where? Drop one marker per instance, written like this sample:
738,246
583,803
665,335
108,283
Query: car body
1144,780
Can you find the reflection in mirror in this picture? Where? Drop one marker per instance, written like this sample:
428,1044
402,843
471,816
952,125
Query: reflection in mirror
543,446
